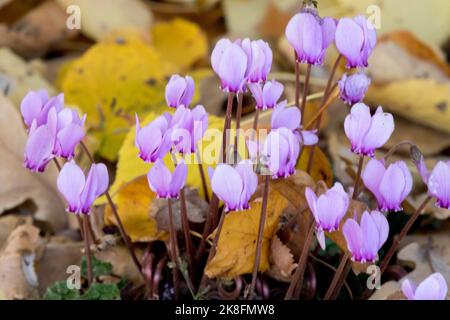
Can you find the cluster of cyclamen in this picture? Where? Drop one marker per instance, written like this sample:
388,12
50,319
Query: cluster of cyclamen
55,131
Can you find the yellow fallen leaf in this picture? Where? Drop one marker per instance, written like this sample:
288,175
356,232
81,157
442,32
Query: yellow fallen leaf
133,201
321,169
100,17
237,242
180,42
110,82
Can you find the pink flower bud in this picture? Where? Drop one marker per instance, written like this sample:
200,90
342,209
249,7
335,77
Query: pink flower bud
266,95
353,88
179,91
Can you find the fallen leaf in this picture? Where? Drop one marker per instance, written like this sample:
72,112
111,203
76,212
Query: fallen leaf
293,188
100,17
237,242
282,261
18,184
34,34
180,41
321,168
17,270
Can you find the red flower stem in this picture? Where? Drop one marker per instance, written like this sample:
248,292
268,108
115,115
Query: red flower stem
123,234
213,249
326,94
207,226
262,222
87,249
240,96
339,278
226,127
173,249
387,258
255,121
305,91
358,177
297,278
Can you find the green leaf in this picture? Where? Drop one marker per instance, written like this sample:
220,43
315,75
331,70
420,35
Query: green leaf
99,267
102,291
60,291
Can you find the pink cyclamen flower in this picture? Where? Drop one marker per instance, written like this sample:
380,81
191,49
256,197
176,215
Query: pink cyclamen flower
365,239
179,91
163,182
432,288
79,191
290,117
39,148
355,40
280,152
153,140
36,105
229,62
328,209
234,185
353,88
310,36
266,95
366,132
187,128
259,59
390,186
438,181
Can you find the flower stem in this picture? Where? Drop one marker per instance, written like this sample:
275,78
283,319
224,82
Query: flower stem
339,277
202,175
173,248
387,258
358,177
319,113
226,127
213,205
297,278
305,91
240,96
123,234
262,222
297,81
186,229
324,100
87,249
395,148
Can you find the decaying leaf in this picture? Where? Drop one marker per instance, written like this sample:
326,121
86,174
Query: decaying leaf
282,261
180,41
100,17
237,242
19,184
293,188
417,85
32,35
321,168
17,77
18,278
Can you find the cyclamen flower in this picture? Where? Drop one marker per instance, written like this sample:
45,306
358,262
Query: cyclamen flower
57,137
353,88
36,105
187,128
438,182
266,95
390,186
310,36
280,152
234,185
290,117
355,40
179,91
229,62
432,288
364,240
163,182
259,59
153,140
79,191
366,132
328,209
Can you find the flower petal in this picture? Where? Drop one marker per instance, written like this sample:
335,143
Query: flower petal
71,183
227,184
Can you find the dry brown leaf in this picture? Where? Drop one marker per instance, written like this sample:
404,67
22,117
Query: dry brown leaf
19,184
237,242
18,279
282,261
100,17
293,188
321,168
32,35
409,79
